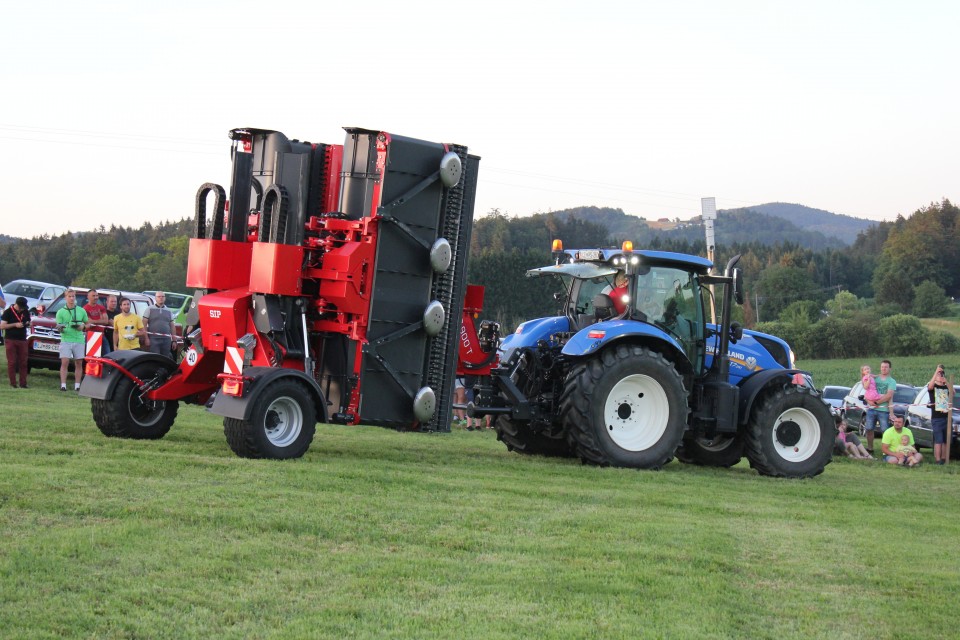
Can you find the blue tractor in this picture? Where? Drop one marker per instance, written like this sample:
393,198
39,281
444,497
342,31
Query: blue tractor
633,374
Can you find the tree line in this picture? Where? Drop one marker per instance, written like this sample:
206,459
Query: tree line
824,299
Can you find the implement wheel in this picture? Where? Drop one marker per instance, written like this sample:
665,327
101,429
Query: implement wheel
518,437
625,408
281,425
721,451
790,434
129,414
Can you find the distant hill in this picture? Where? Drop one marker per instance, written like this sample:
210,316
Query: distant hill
795,224
834,225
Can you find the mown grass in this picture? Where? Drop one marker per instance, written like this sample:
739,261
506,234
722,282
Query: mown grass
380,534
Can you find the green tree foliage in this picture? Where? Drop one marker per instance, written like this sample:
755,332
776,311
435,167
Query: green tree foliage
110,272
802,312
844,304
779,286
903,335
930,300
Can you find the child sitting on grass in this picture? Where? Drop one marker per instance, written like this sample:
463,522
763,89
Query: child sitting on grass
905,450
848,443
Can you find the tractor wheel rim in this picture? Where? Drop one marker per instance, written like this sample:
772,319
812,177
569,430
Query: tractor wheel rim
636,412
145,412
796,434
283,421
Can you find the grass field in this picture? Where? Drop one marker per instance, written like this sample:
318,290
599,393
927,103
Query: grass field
379,534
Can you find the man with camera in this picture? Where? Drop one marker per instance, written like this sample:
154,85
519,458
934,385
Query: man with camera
14,322
72,323
941,403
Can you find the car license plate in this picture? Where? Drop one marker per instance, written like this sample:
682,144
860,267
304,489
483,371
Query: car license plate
46,346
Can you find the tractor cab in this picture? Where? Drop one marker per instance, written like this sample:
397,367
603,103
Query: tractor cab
660,289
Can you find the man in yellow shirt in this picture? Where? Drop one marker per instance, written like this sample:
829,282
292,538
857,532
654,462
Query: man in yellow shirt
891,444
127,328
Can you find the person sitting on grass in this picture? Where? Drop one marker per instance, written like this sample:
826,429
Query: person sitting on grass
893,441
905,450
848,443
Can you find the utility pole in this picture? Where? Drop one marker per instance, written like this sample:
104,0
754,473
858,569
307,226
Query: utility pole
708,213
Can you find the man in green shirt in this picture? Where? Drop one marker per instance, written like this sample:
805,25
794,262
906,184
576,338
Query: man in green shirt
72,323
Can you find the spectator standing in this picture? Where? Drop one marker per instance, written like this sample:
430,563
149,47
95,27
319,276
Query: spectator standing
3,303
893,441
99,319
941,403
14,321
459,397
127,328
158,322
72,323
881,413
112,311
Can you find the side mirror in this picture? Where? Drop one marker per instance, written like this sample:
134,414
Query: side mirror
736,332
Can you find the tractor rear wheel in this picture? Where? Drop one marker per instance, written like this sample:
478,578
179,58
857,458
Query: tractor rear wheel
790,433
129,414
281,425
720,451
518,437
626,407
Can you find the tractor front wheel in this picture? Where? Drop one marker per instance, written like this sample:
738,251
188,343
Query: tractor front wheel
281,425
130,414
790,433
626,407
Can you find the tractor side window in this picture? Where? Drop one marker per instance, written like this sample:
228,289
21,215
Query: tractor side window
589,289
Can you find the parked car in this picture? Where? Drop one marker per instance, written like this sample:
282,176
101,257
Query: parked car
179,303
855,410
34,291
834,396
918,419
43,339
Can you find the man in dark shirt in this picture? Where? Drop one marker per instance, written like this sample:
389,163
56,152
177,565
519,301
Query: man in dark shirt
14,322
941,399
158,321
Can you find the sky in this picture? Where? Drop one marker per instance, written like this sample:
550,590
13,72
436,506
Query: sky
114,113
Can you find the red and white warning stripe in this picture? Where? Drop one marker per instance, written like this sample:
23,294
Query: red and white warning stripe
94,344
233,361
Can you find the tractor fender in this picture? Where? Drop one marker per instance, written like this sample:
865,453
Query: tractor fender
751,387
103,388
256,381
592,339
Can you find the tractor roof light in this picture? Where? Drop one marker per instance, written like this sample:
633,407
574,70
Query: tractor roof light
627,246
557,245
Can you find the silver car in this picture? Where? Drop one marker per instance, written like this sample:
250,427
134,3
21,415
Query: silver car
34,291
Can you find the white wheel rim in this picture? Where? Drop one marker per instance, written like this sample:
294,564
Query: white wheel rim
796,434
636,413
283,422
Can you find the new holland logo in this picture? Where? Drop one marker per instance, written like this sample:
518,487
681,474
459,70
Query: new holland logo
751,362
214,313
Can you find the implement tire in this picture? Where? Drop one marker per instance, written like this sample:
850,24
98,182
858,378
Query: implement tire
626,407
281,425
128,415
721,451
790,433
518,437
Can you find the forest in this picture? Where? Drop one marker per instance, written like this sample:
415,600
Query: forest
826,298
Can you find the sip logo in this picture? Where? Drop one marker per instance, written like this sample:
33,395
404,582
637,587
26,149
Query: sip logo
214,313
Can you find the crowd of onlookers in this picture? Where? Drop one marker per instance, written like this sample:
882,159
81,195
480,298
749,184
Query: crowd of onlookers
119,329
897,445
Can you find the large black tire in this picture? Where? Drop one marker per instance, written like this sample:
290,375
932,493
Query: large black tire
626,407
281,425
790,433
518,437
721,451
128,415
